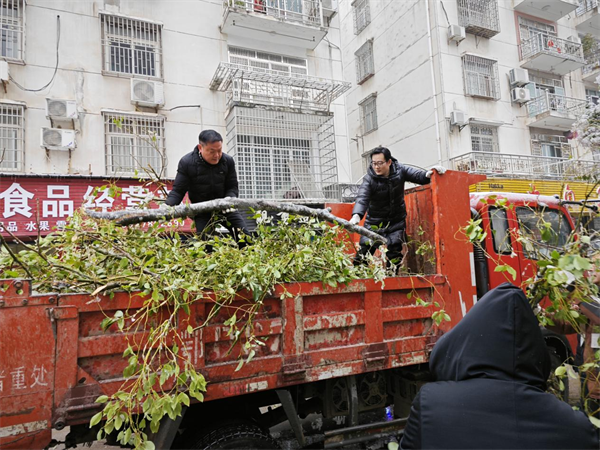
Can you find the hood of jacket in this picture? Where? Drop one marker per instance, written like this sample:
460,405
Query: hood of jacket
499,338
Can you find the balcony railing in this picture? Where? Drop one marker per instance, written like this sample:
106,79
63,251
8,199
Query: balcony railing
566,106
307,12
479,17
585,6
525,166
243,84
551,45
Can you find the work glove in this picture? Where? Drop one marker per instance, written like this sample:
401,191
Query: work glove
439,169
355,219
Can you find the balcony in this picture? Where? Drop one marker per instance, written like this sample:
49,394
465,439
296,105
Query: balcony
479,17
554,112
298,23
591,70
587,19
548,53
255,86
523,166
551,10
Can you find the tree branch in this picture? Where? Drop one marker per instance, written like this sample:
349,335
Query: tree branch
130,217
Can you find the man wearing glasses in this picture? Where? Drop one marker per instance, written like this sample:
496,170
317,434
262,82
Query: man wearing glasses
382,195
206,173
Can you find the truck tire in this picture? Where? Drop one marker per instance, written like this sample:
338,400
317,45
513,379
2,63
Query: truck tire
241,435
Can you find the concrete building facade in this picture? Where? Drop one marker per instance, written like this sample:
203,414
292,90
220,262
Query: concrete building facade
108,88
489,86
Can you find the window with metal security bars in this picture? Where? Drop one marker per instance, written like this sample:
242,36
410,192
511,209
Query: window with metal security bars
131,47
365,66
368,114
12,136
12,25
282,155
481,77
269,61
134,144
484,138
362,15
479,17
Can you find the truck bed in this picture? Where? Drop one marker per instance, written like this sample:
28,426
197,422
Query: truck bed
55,360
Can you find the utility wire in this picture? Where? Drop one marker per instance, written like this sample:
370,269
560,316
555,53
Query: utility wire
55,68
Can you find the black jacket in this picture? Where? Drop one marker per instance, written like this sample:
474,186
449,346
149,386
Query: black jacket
203,181
491,372
383,197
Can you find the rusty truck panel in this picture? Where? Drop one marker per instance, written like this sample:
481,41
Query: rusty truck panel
55,360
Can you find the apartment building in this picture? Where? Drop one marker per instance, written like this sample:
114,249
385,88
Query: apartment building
486,86
105,89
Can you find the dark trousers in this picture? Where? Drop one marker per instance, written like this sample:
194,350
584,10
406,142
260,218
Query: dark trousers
233,221
395,239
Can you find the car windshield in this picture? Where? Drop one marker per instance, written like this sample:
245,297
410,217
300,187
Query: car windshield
533,222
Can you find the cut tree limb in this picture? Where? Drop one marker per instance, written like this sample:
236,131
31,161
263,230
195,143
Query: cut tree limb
135,216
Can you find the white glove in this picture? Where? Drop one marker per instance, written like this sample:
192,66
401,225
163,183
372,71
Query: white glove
355,219
439,169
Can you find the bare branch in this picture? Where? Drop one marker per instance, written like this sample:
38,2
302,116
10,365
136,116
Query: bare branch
130,217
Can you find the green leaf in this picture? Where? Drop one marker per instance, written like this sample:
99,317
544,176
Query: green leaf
95,420
239,366
560,371
149,445
102,399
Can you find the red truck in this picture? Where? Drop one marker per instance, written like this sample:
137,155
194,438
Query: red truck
340,367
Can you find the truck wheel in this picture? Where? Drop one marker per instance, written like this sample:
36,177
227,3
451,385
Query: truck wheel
242,435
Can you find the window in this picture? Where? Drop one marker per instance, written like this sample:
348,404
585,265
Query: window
365,67
134,143
12,133
257,60
368,113
532,225
484,138
362,15
272,167
481,77
500,231
479,17
131,47
11,22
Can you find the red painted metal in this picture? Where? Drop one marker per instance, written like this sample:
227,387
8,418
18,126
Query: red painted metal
320,332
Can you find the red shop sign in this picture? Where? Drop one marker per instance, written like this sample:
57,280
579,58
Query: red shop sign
32,204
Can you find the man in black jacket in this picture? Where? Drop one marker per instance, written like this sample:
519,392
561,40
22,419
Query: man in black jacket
382,195
491,371
206,173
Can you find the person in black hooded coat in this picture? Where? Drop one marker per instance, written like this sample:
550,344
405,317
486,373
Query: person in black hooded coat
381,196
491,371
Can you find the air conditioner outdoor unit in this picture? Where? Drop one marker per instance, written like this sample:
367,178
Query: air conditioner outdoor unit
518,77
61,109
456,33
594,99
458,118
520,95
575,39
147,93
58,139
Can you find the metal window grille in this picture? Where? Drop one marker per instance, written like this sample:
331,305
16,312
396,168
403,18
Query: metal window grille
479,17
283,155
305,12
484,138
12,138
365,66
12,26
134,143
481,77
368,114
131,46
268,61
585,6
362,15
